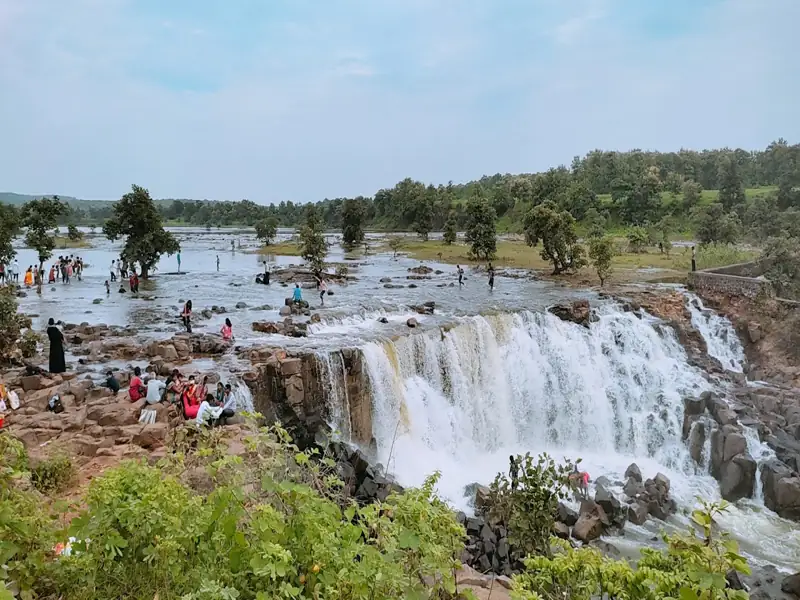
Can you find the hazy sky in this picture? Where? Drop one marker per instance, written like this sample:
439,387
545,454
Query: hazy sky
298,100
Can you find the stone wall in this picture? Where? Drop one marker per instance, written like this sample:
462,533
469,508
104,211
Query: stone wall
296,390
732,285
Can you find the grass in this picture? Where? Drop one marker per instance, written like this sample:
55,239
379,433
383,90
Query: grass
288,248
63,242
627,266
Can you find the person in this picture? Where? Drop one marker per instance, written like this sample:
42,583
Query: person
155,389
579,481
108,288
513,472
55,405
186,316
266,274
217,262
220,394
112,382
51,276
323,287
132,282
228,407
14,270
694,259
28,280
297,296
68,271
113,270
233,246
174,387
2,272
207,413
189,399
57,362
227,330
491,277
460,275
202,389
179,262
136,389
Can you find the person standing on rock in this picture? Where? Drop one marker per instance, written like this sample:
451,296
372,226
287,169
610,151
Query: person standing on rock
297,296
266,273
186,316
323,288
57,362
113,273
491,277
513,472
694,259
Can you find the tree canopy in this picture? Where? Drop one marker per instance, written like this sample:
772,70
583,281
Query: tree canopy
266,230
555,229
353,216
136,219
481,234
40,218
312,241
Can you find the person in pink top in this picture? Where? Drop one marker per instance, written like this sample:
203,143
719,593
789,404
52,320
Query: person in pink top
227,330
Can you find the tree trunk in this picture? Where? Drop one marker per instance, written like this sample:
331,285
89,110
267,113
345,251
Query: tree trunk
145,269
39,277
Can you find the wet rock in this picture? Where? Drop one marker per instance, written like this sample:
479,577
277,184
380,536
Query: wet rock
385,280
735,443
383,320
206,313
781,489
241,305
426,308
633,488
421,270
791,585
638,512
566,515
577,312
694,406
697,440
738,478
315,318
561,530
412,322
97,301
754,332
634,472
285,311
265,327
589,527
662,482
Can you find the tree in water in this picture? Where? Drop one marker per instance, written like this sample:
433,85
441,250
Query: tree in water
9,224
556,230
73,233
266,230
480,233
450,229
136,218
395,243
353,216
731,189
312,241
601,253
40,218
716,227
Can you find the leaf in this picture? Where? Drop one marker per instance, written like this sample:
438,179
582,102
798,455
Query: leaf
408,540
688,593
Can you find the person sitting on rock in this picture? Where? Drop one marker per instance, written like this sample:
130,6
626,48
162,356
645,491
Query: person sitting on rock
136,390
155,388
297,296
174,391
112,382
189,399
579,482
227,331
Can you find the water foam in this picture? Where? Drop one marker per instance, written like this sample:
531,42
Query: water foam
718,333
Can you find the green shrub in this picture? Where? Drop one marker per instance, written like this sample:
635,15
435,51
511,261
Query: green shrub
690,568
29,343
52,474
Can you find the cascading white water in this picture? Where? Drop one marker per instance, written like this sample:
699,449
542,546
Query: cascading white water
332,372
718,333
461,401
244,399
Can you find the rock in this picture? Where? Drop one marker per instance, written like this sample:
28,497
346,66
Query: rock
97,301
637,513
412,322
791,585
35,382
116,413
577,312
383,320
285,311
754,332
561,530
633,488
738,478
566,515
697,441
588,528
241,305
694,406
634,472
735,443
206,313
482,497
607,500
167,352
265,327
315,318
385,280
781,489
662,481
151,436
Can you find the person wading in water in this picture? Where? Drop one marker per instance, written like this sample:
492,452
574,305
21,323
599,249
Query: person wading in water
491,277
186,316
460,275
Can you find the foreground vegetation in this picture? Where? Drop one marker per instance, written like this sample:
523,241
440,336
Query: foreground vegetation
203,524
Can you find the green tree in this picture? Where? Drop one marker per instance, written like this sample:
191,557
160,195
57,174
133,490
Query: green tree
9,225
450,229
423,215
136,218
556,231
638,239
480,233
579,199
353,216
783,255
714,226
641,200
313,248
11,323
601,253
40,217
595,223
266,230
395,243
73,233
731,189
691,191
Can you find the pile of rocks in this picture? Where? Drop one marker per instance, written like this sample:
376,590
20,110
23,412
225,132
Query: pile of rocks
286,327
487,548
290,307
577,312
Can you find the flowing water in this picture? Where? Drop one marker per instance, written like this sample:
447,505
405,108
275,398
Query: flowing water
461,402
719,334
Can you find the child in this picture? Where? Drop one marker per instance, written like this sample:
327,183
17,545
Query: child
111,382
108,288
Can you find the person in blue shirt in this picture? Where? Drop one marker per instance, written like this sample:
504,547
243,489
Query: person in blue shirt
179,262
298,294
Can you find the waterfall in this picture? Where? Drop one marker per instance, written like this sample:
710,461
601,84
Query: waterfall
332,374
718,333
244,399
463,400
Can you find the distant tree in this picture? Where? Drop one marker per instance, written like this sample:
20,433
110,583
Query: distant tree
450,229
641,200
92,228
714,226
556,231
73,233
601,253
480,233
595,223
423,216
395,243
312,240
638,239
39,217
579,199
784,272
9,225
663,230
136,219
266,230
691,194
353,216
731,189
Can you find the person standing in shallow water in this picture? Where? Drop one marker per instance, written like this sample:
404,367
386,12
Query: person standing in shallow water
491,277
57,362
217,262
186,316
179,262
460,275
323,288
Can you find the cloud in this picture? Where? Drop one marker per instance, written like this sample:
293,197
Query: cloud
299,100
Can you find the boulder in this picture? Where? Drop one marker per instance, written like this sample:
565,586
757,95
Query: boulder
662,482
561,530
114,413
151,436
412,323
781,489
637,512
285,311
735,443
694,406
738,478
588,528
35,382
791,585
697,442
241,305
265,327
566,515
634,472
167,352
577,312
633,488
754,332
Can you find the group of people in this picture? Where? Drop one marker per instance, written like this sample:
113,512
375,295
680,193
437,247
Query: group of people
9,273
64,268
195,401
490,271
322,288
119,271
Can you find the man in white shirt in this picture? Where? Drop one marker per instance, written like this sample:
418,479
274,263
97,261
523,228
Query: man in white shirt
155,389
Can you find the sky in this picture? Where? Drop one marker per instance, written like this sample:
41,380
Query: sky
300,100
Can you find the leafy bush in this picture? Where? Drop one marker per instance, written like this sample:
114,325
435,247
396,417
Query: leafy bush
10,323
638,239
52,474
526,500
690,568
29,343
